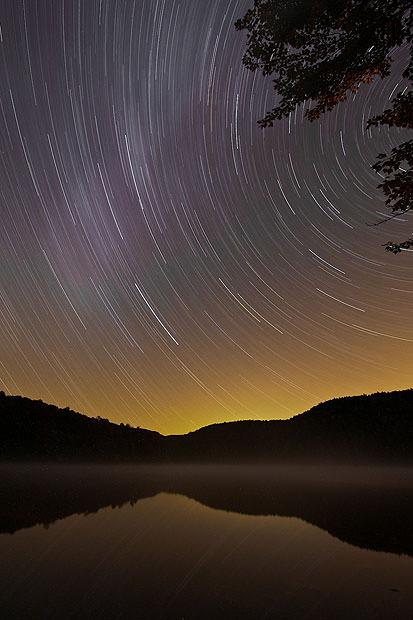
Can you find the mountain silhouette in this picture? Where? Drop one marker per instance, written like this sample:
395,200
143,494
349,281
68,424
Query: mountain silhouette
376,428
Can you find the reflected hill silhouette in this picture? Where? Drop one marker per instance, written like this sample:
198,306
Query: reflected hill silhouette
367,507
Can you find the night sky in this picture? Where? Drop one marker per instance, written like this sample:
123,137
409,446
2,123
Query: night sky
163,260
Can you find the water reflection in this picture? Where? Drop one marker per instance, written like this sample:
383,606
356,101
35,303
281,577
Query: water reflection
164,555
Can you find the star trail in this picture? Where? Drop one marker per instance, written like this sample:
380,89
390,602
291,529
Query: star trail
164,261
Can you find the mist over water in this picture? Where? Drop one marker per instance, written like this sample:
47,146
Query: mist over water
206,542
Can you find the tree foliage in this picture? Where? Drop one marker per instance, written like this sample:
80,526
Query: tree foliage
320,51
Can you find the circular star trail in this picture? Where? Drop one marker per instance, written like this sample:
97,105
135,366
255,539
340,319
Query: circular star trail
163,260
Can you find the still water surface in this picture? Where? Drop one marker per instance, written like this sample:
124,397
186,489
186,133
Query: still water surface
164,554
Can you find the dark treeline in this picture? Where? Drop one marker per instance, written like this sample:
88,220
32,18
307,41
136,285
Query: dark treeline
34,430
378,427
375,428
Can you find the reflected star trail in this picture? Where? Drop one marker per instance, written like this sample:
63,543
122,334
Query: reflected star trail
163,260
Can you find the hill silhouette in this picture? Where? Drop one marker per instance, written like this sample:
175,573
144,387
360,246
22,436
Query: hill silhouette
370,428
34,430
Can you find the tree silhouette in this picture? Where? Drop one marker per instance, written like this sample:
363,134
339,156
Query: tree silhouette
321,51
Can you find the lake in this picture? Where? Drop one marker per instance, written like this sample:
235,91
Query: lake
205,542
